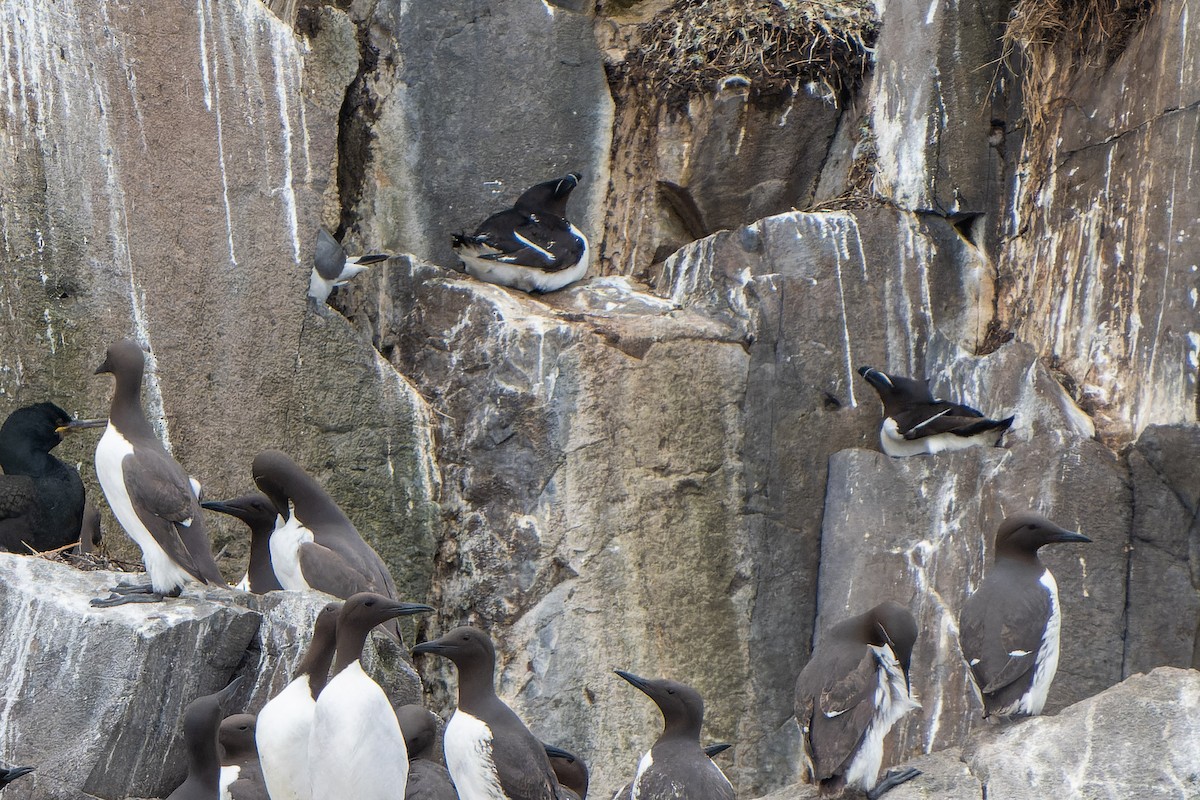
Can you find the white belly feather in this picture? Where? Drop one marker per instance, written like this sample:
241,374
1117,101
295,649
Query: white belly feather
285,552
1046,662
282,735
892,701
895,445
468,747
228,776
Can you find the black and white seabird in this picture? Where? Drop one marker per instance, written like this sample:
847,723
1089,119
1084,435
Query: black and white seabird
676,766
41,498
851,692
356,748
428,779
332,267
149,493
257,511
710,750
490,753
571,772
284,725
10,774
1009,627
201,725
916,423
531,246
241,773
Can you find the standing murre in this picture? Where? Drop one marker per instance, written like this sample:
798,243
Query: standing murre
356,748
284,725
851,692
332,267
201,725
241,773
676,766
490,753
256,510
917,423
531,246
149,493
1009,628
428,778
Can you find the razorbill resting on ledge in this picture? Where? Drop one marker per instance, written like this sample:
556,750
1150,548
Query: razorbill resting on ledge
1009,627
41,498
490,753
428,779
916,423
332,267
241,774
257,511
851,692
676,766
149,493
201,725
531,246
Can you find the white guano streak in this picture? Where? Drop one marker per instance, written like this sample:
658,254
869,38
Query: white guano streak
212,102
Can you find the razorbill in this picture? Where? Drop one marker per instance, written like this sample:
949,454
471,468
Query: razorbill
332,267
916,423
1009,627
428,779
257,511
241,774
531,246
571,772
851,692
356,748
10,774
149,493
41,498
676,765
490,753
201,724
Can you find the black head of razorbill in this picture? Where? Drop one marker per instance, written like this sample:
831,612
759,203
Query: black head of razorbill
428,779
916,423
482,722
149,493
1009,628
201,729
332,267
531,246
854,688
258,512
41,497
571,772
10,774
676,765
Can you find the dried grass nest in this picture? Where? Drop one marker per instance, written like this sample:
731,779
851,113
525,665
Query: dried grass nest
776,45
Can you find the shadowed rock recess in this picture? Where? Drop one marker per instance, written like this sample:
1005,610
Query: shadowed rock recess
671,467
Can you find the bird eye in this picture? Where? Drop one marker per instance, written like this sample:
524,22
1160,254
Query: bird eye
369,603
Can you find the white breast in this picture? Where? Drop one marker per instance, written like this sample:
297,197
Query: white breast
468,747
356,749
282,735
892,701
646,763
165,574
228,776
895,445
285,552
1046,662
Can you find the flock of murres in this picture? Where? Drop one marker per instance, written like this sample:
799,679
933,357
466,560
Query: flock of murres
332,733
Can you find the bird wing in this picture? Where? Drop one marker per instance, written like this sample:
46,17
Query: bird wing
536,780
18,497
834,704
163,500
1001,633
538,241
934,418
327,571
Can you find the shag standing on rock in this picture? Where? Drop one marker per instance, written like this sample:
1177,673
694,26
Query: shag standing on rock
428,779
916,423
10,774
854,688
149,493
259,514
490,753
676,766
201,729
332,267
1009,627
41,498
241,773
531,246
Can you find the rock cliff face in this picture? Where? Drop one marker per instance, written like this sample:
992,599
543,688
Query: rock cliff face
671,467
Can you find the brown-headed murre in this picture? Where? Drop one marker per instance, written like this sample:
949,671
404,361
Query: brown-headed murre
149,493
332,267
201,726
676,766
41,498
241,773
851,692
428,778
259,514
1009,627
531,246
916,423
356,748
490,753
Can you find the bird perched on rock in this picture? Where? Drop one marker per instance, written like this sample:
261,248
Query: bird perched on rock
916,423
356,748
201,725
10,774
257,511
241,773
710,750
1009,628
851,692
676,766
41,498
149,493
332,267
571,772
531,246
428,779
490,753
